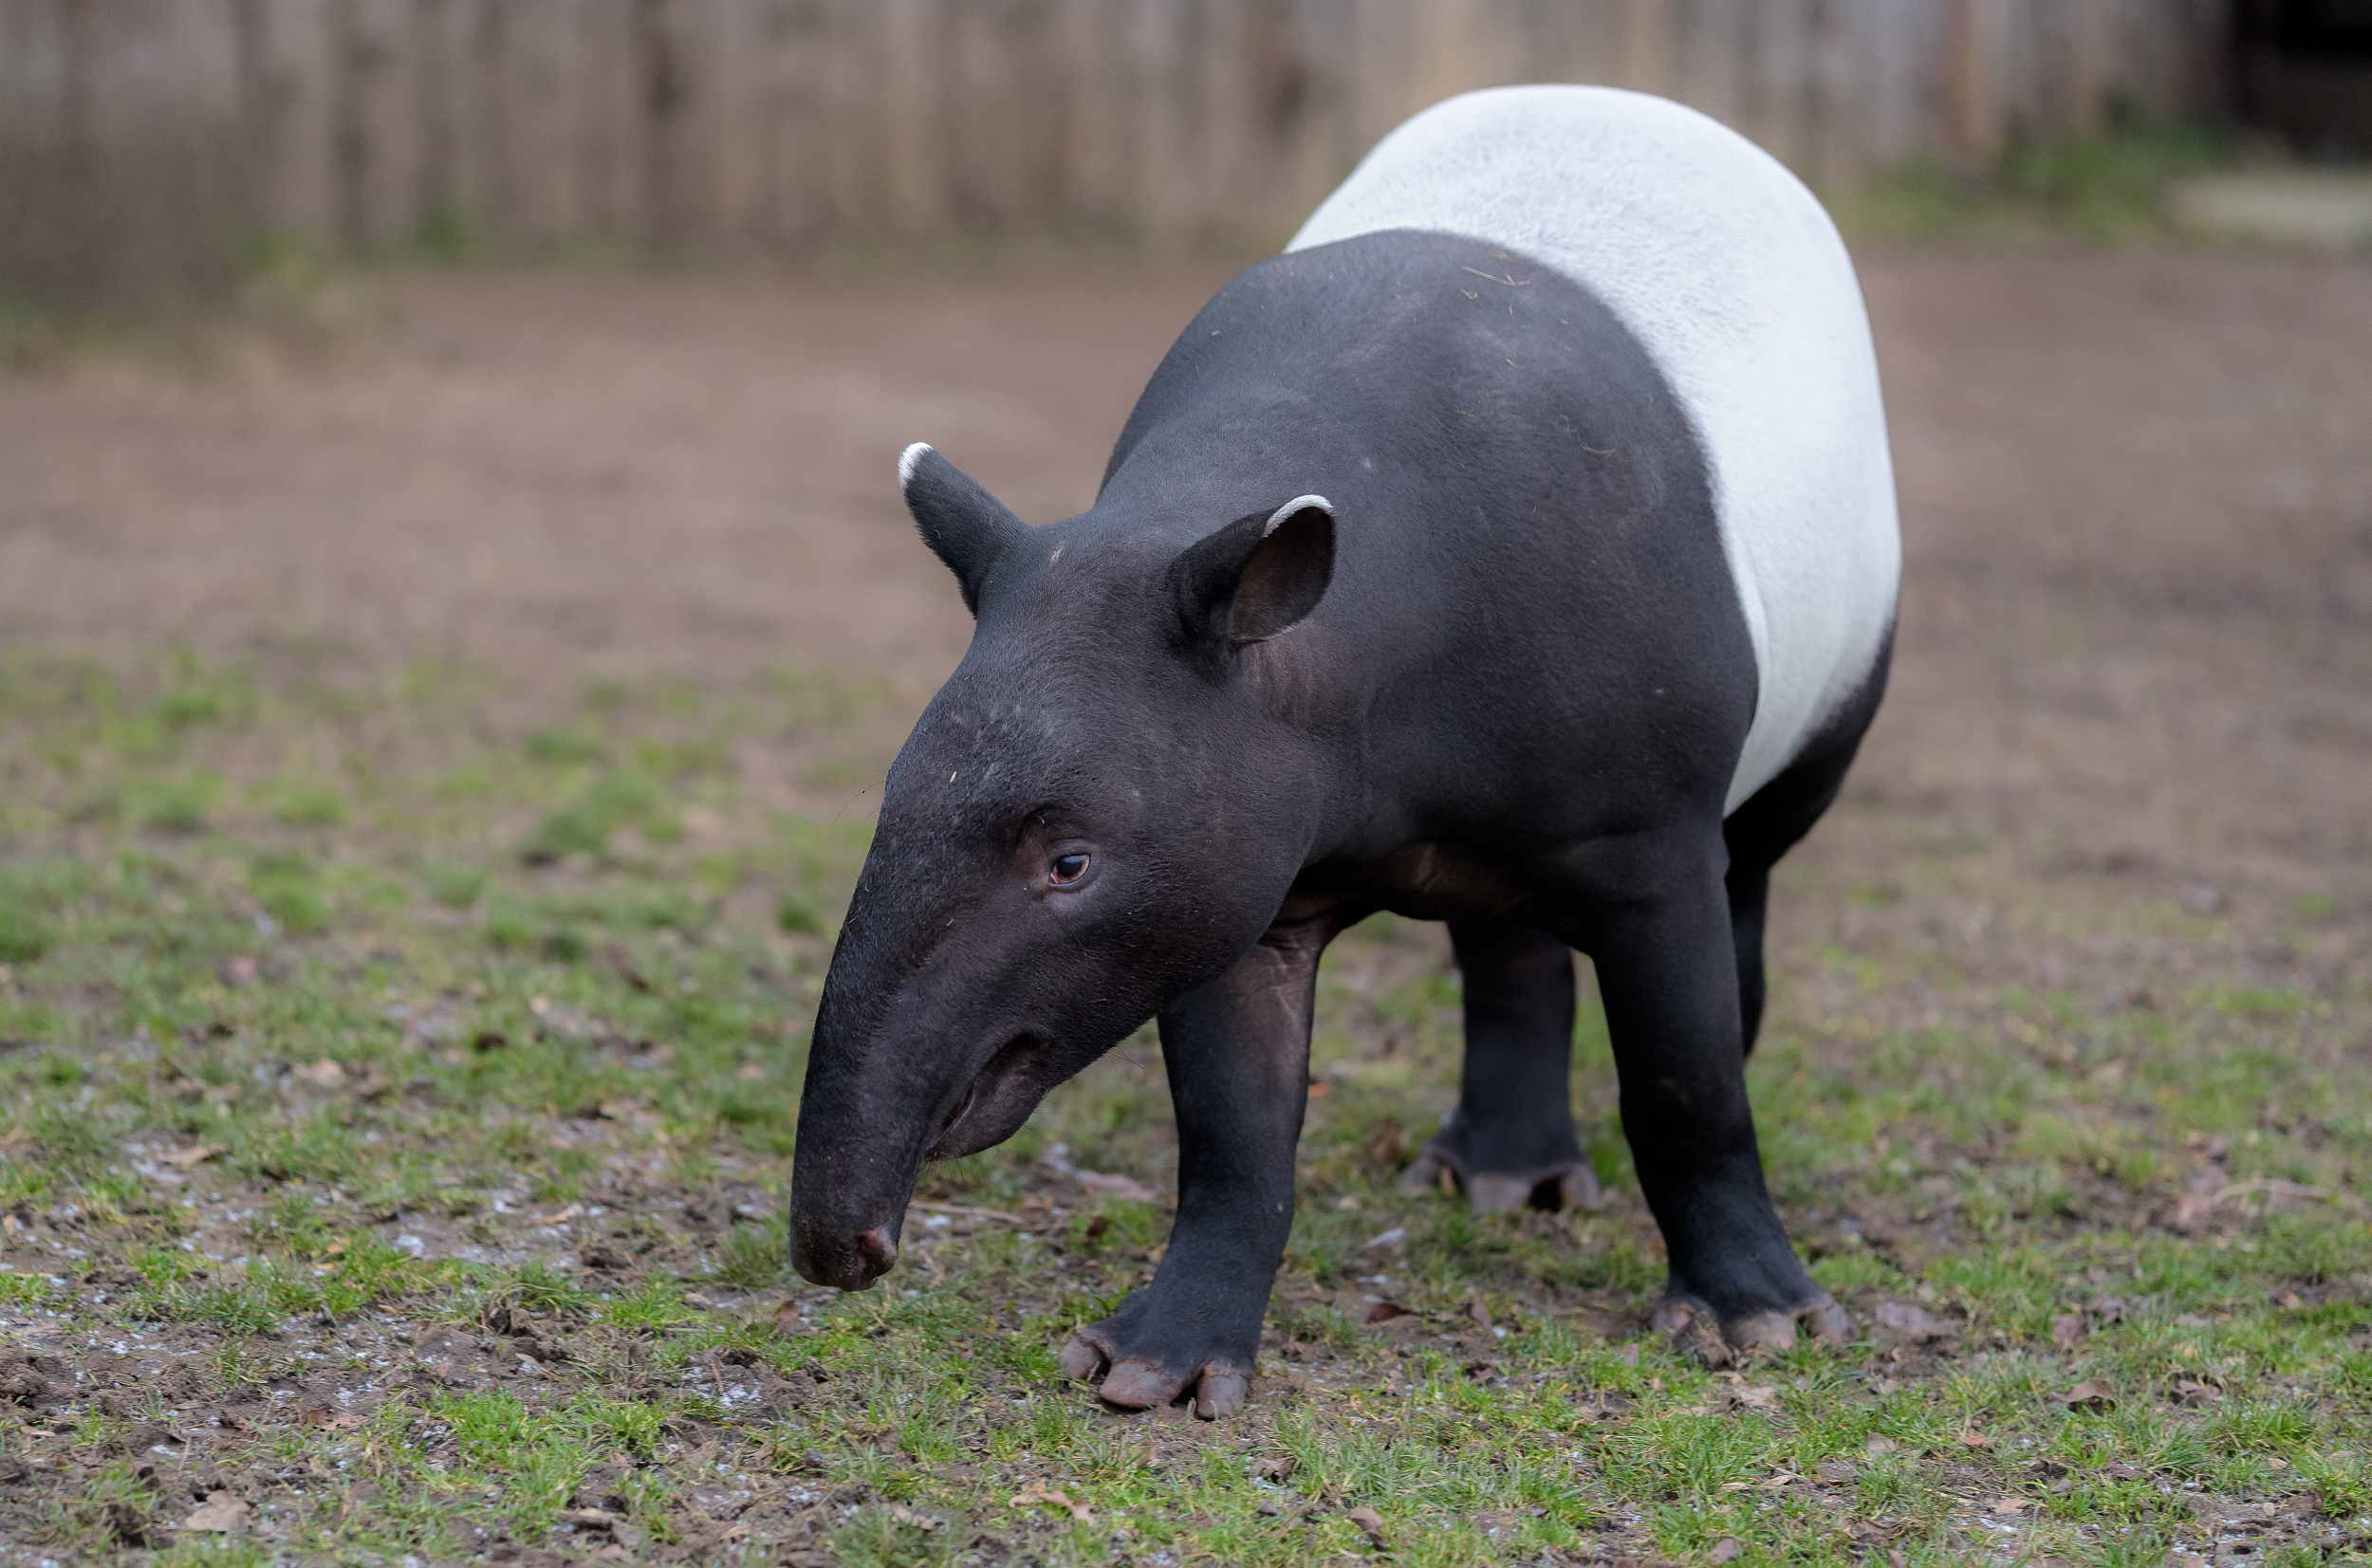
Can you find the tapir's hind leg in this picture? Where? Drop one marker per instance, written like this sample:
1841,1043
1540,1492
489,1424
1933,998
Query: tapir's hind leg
1775,816
1511,1141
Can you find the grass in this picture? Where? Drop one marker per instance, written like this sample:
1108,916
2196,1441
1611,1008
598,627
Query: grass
2107,185
398,1143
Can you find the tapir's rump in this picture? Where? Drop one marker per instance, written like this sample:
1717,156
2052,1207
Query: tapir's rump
1730,275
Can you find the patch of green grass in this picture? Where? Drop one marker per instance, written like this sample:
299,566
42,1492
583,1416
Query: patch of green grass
2107,185
497,1146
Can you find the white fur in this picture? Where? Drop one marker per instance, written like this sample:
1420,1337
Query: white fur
1724,266
1293,506
906,461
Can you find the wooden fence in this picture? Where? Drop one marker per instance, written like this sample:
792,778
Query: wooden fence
779,126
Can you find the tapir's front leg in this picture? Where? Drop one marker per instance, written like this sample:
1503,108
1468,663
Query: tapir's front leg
1239,1055
1668,973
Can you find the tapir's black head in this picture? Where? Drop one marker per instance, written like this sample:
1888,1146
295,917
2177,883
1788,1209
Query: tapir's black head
1101,809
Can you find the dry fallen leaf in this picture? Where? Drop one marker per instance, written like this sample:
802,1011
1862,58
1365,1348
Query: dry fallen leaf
190,1155
220,1512
904,1515
1903,1318
1976,1440
330,1419
1383,1311
1878,1448
2090,1394
1036,1496
1368,1520
2005,1505
2191,1211
1119,1187
1725,1548
324,1074
2066,1330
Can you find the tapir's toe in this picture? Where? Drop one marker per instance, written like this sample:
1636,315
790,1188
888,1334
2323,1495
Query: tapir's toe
1552,1187
1220,1393
1692,1325
1138,1385
1083,1357
1761,1331
1830,1323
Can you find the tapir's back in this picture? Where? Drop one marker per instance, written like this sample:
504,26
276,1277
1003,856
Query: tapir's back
1731,276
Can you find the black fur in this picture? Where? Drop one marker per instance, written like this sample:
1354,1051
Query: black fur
1504,684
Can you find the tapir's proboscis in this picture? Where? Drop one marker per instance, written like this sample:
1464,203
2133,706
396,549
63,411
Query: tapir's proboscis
1519,550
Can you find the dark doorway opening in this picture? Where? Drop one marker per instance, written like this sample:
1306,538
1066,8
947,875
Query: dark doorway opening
2304,70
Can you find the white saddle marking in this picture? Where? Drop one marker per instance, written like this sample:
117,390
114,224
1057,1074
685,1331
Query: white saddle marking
1730,274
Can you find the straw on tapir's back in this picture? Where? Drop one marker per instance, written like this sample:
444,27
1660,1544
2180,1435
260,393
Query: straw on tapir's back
1431,573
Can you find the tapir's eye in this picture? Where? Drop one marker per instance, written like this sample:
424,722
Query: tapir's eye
1066,868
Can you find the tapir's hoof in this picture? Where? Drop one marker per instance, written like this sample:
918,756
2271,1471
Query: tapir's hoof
1692,1326
1497,1192
1138,1385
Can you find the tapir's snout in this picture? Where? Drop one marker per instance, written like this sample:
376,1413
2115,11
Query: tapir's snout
832,1255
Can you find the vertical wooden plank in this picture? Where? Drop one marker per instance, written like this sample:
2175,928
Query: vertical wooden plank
850,77
1837,92
1226,184
913,139
1647,45
294,75
1904,79
1094,173
1298,86
1777,106
1447,49
532,175
797,159
1711,56
1975,45
732,123
1150,66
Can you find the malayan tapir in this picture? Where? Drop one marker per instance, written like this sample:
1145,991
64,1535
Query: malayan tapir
1517,549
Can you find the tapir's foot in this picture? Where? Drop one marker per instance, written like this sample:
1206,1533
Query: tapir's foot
1140,1371
1693,1325
1566,1184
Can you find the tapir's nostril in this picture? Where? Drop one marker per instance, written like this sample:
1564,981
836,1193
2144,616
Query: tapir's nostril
877,1251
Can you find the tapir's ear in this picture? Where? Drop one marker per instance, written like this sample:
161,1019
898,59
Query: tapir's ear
964,524
1258,575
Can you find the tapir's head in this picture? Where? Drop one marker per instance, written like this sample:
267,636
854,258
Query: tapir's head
1101,809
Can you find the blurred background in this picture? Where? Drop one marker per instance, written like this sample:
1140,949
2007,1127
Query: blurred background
575,338
147,146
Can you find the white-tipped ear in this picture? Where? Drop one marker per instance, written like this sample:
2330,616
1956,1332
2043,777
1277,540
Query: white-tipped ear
1318,502
964,524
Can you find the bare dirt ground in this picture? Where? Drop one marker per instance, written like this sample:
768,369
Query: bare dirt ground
2137,493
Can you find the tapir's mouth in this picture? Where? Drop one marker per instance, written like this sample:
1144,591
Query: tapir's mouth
946,1123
